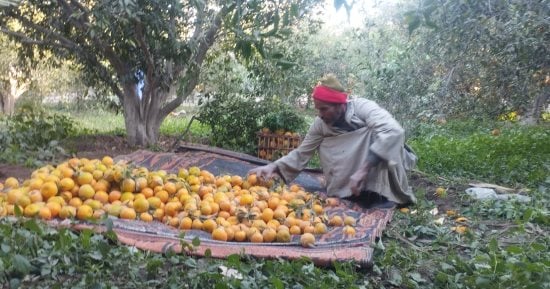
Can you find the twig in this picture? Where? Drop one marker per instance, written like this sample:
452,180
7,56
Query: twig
183,134
411,244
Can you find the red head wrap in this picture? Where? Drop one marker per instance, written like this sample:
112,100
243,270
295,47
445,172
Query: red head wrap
329,95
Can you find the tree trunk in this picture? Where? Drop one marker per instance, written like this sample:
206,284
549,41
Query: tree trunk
14,91
143,116
540,102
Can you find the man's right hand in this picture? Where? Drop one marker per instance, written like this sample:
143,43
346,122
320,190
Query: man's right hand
266,172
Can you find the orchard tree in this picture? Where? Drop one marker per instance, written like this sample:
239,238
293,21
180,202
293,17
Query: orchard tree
491,55
13,80
159,43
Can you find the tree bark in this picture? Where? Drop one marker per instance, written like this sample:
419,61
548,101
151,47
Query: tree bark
539,104
142,117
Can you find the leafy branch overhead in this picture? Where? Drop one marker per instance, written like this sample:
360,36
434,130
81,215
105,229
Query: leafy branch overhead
166,40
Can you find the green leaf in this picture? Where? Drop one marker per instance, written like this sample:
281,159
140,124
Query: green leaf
416,277
277,283
514,249
395,277
482,281
21,265
196,241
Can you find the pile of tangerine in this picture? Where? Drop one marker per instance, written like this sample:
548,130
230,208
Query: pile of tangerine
229,207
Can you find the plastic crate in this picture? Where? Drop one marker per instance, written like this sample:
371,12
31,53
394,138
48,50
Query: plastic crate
272,146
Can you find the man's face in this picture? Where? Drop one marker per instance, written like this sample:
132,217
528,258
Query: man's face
329,112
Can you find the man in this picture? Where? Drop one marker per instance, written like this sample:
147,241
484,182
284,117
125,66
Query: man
361,148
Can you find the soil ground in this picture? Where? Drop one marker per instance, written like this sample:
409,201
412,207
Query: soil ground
92,147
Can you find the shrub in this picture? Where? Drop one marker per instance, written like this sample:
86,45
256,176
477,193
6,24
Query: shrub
31,136
235,120
518,156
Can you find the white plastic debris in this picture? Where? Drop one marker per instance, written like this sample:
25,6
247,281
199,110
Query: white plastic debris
231,273
490,194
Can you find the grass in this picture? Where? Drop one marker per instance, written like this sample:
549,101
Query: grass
504,244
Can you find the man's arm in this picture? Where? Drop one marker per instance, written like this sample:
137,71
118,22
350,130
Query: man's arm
356,180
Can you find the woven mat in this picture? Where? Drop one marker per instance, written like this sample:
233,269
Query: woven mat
330,247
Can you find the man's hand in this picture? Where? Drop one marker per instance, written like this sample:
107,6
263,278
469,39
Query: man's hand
265,172
356,180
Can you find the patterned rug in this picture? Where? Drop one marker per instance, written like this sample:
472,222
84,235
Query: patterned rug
330,247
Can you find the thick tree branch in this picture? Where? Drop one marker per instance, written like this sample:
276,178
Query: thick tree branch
193,68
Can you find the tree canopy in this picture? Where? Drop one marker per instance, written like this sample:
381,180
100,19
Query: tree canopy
162,43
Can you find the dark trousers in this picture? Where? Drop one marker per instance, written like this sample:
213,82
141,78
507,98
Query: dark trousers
370,200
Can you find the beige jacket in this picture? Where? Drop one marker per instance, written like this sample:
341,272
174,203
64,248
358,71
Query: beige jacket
343,153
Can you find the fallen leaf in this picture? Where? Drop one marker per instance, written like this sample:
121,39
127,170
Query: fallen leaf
461,219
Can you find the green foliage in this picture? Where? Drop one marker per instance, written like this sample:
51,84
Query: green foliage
37,256
233,121
284,117
31,136
518,156
497,251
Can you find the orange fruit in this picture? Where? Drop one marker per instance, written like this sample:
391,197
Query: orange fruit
257,237
102,185
317,209
336,221
114,196
246,199
11,182
102,197
349,231
267,214
31,210
252,179
349,221
279,214
186,223
114,210
320,228
295,230
35,183
84,178
107,160
205,208
273,203
307,240
239,236
127,196
66,184
75,202
162,195
48,190
219,234
86,191
127,213
158,214
54,207
45,213
84,212
128,185
283,236
332,202
236,180
269,235
141,205
172,208
209,225
170,187
197,224
67,212
35,196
